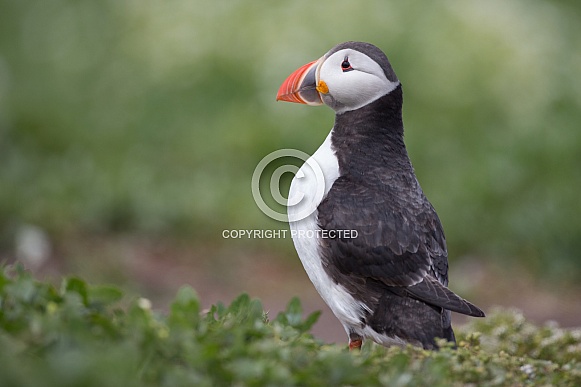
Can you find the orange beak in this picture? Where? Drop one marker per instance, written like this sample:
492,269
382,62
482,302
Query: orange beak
301,86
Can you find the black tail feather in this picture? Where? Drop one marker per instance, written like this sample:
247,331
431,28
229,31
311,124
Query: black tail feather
431,291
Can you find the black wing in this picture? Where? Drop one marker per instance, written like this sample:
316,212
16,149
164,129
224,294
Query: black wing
400,241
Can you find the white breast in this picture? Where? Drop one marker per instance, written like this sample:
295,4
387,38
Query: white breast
305,190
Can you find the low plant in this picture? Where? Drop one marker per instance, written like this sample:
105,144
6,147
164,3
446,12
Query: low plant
82,335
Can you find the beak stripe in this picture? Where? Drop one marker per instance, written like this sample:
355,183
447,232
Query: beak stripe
290,89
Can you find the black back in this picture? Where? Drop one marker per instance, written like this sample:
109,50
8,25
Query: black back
398,263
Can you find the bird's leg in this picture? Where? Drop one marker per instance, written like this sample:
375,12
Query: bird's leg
355,341
355,344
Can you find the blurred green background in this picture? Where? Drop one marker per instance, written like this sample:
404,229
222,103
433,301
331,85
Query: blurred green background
129,131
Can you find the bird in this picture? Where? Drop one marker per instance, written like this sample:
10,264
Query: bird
369,240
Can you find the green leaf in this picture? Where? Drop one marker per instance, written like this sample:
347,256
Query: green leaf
104,294
185,310
240,303
293,316
78,286
311,320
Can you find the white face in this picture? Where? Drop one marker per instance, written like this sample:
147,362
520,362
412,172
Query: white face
354,80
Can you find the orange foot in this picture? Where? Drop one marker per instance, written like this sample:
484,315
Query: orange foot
355,344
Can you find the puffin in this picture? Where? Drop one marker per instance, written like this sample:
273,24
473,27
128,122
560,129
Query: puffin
369,240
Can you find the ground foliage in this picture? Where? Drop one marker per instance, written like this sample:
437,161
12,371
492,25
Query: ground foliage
86,335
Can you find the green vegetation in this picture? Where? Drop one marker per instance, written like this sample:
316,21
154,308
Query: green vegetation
80,335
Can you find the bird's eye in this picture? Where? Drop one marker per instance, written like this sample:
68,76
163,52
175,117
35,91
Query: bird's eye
346,66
